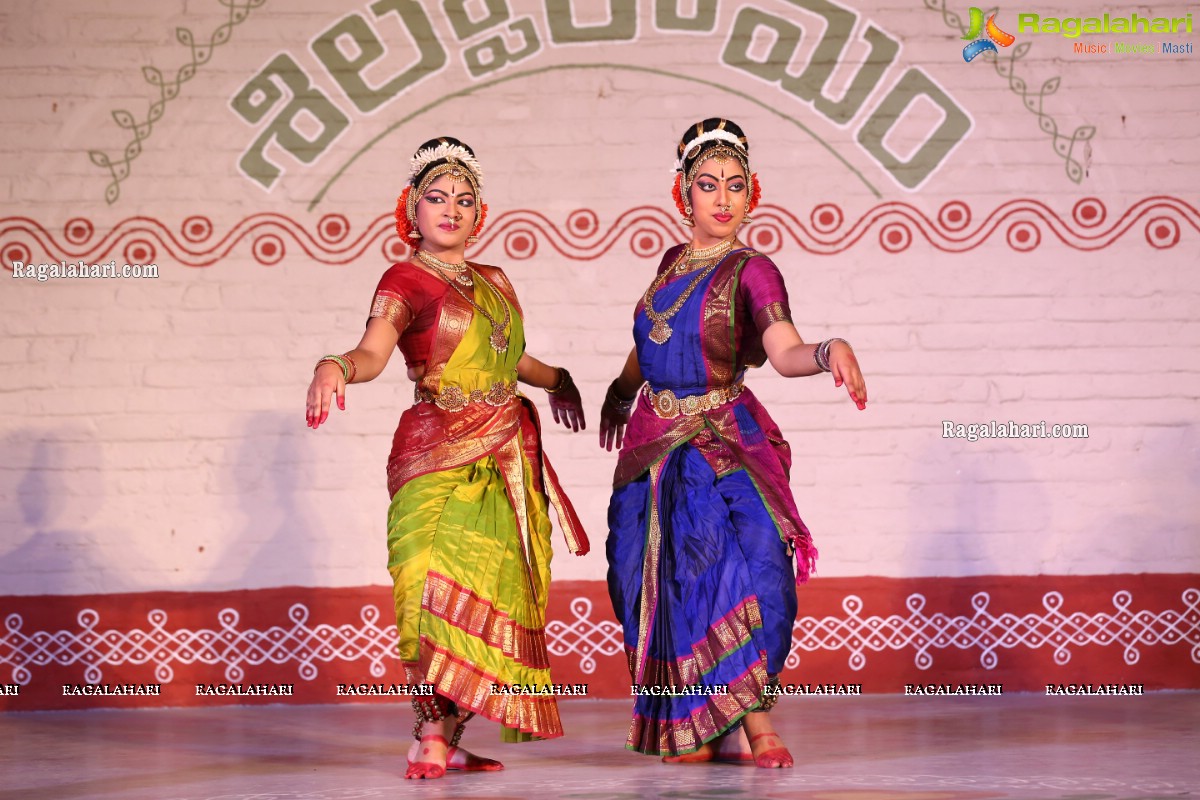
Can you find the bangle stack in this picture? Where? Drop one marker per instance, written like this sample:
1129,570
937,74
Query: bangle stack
821,354
564,380
620,404
345,363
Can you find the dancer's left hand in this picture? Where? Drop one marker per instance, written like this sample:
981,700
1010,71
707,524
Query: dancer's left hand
567,408
843,365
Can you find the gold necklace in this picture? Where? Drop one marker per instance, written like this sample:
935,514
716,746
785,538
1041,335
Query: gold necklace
459,270
718,249
498,339
698,259
660,332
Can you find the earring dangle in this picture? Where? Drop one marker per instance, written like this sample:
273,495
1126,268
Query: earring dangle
687,220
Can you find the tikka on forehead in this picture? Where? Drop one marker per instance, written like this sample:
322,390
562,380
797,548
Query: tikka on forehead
718,143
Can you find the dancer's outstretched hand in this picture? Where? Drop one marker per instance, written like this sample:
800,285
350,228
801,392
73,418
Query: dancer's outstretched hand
613,420
567,407
845,370
327,383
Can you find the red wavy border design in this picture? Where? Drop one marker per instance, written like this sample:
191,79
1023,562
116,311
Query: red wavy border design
646,230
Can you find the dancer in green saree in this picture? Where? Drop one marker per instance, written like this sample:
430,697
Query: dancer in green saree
469,526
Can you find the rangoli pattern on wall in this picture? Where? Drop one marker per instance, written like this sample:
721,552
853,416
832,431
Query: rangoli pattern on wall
308,644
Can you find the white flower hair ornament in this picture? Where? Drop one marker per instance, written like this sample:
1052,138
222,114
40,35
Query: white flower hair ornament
694,145
445,150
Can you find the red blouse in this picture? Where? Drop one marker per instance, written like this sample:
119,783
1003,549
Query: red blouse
411,299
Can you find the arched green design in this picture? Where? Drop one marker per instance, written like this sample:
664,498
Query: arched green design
620,67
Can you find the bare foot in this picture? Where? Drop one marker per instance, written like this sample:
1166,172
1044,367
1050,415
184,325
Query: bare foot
734,746
465,760
730,746
427,758
705,753
768,749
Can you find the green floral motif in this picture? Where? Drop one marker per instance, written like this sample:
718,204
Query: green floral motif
168,90
1006,68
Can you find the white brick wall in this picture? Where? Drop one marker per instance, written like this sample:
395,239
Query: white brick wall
152,431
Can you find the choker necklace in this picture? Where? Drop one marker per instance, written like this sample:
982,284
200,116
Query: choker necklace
718,249
693,259
460,271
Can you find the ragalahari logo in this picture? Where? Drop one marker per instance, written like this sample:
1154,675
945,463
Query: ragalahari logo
994,37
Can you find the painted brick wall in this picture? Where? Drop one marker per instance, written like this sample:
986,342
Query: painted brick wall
152,430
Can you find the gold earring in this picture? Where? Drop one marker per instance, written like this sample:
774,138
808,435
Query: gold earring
687,220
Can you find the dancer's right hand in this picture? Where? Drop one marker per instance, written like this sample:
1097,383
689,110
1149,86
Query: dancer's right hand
327,381
612,425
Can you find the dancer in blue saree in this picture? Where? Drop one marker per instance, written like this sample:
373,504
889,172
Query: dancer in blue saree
702,523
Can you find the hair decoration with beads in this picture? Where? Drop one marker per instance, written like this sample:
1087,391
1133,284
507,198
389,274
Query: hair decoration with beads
691,148
444,151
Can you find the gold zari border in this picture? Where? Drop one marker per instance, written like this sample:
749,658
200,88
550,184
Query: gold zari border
704,723
770,314
392,307
471,688
724,637
460,607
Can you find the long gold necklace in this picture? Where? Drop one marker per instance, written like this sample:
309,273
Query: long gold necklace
498,339
660,331
458,271
462,274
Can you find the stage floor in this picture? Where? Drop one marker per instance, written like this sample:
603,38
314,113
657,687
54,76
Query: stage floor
846,748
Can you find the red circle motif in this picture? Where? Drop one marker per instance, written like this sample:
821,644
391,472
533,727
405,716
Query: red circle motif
1023,236
826,218
78,230
954,216
520,244
139,251
333,228
765,238
1162,233
583,222
645,243
16,252
196,229
1089,212
268,249
895,237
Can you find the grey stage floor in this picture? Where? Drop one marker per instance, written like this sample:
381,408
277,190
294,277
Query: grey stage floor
846,748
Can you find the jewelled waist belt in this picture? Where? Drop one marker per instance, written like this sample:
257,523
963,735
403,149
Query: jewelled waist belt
452,398
667,406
